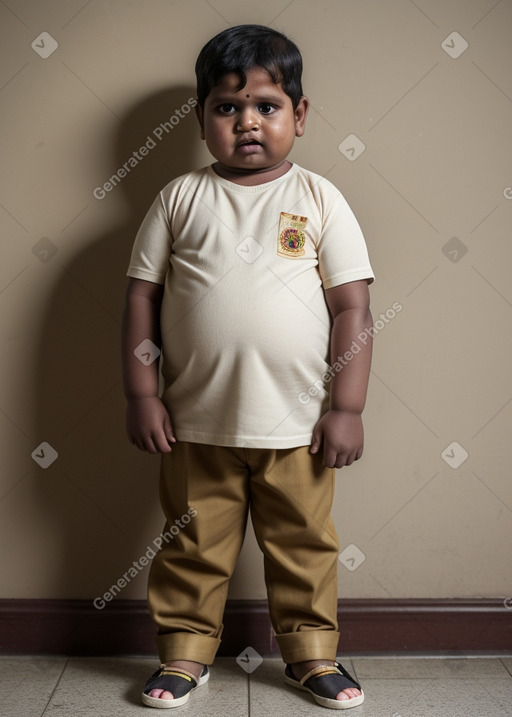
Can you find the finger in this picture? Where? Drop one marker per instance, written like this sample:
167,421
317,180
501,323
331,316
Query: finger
349,459
315,442
330,457
162,443
157,443
162,436
169,433
342,460
139,443
354,456
148,445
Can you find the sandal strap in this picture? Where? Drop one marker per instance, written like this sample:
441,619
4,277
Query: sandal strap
343,672
320,670
177,671
177,681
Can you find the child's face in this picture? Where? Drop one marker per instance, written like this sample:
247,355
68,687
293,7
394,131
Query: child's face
252,129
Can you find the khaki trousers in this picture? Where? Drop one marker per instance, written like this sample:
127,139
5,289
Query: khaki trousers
289,493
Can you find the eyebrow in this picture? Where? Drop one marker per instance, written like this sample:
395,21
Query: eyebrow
235,97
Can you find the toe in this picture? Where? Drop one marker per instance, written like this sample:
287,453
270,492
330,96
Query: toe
348,694
161,694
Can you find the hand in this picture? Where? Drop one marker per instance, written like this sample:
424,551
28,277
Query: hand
148,425
342,435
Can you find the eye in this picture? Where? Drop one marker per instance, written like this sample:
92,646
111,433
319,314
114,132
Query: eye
265,108
226,108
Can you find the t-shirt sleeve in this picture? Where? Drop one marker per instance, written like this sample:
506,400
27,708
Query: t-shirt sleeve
342,252
152,246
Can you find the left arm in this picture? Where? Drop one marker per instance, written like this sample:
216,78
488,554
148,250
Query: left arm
341,428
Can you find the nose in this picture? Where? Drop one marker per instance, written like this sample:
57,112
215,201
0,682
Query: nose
247,120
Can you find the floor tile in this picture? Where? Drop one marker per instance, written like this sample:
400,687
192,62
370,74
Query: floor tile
26,684
507,662
111,687
435,698
393,686
270,695
433,668
226,694
439,691
100,687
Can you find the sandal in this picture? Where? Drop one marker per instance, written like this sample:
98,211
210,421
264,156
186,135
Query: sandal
178,681
324,682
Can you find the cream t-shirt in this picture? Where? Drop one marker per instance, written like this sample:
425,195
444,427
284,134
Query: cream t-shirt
245,326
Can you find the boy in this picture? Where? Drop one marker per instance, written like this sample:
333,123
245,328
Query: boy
245,273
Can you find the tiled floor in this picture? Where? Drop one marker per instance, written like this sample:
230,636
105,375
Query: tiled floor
394,687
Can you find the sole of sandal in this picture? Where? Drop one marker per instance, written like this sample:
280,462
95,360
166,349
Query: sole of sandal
326,701
178,702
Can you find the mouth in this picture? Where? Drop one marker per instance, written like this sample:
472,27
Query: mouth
249,143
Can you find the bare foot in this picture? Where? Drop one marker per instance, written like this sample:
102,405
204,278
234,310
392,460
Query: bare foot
195,668
299,669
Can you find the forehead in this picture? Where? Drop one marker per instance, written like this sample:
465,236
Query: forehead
259,84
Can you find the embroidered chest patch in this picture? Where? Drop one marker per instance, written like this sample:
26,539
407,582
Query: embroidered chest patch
292,237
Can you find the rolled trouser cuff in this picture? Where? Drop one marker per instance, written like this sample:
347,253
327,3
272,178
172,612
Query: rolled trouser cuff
187,646
308,645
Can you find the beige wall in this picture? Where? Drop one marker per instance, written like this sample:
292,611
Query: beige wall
437,165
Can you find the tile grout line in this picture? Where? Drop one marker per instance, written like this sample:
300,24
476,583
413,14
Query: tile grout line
50,698
76,13
485,14
504,665
280,12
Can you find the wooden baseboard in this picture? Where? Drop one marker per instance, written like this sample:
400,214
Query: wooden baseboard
124,627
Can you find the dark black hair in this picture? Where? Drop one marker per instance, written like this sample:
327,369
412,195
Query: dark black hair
245,46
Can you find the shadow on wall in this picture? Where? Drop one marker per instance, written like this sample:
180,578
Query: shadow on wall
98,502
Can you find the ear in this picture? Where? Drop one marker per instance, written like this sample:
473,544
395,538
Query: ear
200,118
301,112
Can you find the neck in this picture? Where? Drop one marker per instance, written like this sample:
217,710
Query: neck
252,176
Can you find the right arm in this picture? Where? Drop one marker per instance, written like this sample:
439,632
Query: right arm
147,421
